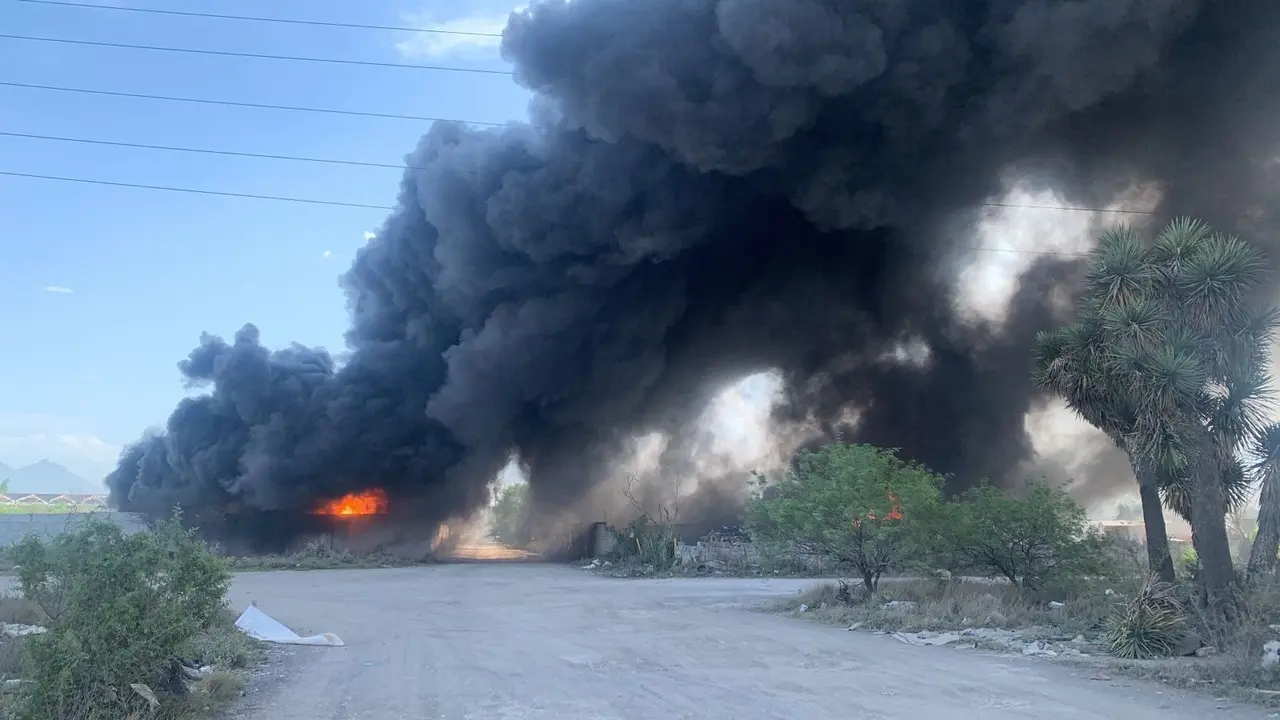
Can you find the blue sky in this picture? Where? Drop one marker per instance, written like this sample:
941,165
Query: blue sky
106,289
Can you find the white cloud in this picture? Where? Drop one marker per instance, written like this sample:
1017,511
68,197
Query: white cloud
326,254
61,289
480,31
369,236
26,438
86,455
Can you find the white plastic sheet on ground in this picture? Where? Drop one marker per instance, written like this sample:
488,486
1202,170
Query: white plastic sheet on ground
261,626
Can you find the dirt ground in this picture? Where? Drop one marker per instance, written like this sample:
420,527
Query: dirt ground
497,642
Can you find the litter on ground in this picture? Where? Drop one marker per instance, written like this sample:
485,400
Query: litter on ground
261,626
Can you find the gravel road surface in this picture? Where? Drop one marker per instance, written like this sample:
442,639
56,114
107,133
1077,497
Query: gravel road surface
499,642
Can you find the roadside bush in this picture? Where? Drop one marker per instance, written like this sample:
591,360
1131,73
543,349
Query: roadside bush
645,542
1150,624
1036,542
121,609
861,506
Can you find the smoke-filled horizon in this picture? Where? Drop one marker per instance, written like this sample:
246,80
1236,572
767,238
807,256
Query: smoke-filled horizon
711,189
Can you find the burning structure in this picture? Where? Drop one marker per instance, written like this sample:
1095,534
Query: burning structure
712,188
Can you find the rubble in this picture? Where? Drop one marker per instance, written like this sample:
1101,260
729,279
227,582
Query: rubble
927,638
729,534
1040,648
1271,654
20,630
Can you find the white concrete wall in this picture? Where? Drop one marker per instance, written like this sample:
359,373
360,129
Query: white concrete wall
13,526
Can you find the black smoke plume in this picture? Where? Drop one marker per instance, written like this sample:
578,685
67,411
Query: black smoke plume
712,188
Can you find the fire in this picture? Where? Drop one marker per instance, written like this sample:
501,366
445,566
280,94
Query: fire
369,502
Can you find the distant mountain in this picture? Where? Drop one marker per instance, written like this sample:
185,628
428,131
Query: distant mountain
46,476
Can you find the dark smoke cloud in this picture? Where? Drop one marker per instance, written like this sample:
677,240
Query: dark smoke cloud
713,188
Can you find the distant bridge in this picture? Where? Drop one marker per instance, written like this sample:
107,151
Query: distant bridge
75,500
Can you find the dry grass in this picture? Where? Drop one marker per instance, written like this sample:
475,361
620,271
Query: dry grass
206,698
1233,668
318,556
956,604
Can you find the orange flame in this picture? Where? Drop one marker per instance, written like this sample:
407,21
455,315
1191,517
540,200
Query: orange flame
895,512
369,502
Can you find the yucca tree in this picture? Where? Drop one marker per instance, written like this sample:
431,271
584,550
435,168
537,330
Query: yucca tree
1266,470
1173,371
1072,362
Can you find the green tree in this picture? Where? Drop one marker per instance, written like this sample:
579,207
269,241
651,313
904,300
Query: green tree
508,521
861,506
1035,541
1167,356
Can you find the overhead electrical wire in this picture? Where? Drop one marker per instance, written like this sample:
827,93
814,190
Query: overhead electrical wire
368,206
206,151
257,56
254,18
195,191
402,166
234,103
292,108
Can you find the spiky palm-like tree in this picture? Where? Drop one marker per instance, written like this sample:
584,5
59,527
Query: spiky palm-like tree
1167,358
1266,470
1071,362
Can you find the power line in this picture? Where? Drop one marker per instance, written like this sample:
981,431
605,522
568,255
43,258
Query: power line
205,151
258,56
193,191
233,103
358,163
336,203
1058,207
253,18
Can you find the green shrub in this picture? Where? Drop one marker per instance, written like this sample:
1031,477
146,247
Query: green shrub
861,506
121,609
1037,541
1150,624
646,542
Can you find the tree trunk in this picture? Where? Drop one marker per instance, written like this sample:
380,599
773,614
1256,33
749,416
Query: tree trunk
1159,562
1209,531
1262,556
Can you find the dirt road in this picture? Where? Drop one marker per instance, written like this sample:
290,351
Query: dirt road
498,642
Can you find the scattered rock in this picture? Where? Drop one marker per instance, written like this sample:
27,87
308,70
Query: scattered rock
1055,605
803,608
1038,648
19,630
1206,651
903,605
1271,654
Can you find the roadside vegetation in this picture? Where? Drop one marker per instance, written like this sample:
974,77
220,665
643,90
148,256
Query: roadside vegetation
115,625
318,555
508,518
1169,356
